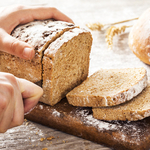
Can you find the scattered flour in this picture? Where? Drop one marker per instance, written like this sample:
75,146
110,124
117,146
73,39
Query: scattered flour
134,90
56,113
41,106
89,120
123,129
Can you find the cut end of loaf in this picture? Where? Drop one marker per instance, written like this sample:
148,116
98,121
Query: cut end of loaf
109,87
136,109
66,64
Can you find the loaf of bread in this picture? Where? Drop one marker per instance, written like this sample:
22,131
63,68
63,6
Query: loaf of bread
108,87
61,61
139,37
136,109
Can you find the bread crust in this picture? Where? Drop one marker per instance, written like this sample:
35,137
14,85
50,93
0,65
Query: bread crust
139,38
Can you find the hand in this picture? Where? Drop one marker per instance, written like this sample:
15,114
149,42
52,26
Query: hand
17,96
15,15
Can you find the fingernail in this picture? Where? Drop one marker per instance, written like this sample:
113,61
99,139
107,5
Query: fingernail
27,53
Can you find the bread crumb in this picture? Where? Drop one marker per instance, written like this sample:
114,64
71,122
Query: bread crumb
50,138
25,120
26,123
42,139
65,141
50,142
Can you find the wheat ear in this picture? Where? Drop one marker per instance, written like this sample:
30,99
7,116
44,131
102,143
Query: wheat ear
100,26
95,26
112,31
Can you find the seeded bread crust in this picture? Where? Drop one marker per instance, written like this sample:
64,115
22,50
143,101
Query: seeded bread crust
109,87
38,34
136,109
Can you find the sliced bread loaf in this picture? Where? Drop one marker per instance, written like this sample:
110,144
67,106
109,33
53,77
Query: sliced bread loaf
136,109
109,87
61,61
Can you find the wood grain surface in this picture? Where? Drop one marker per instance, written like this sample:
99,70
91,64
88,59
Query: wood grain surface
30,135
79,121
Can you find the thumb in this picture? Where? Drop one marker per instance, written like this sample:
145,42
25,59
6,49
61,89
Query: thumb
31,93
15,47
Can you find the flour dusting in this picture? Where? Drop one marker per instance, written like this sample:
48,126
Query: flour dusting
41,106
56,113
89,120
136,130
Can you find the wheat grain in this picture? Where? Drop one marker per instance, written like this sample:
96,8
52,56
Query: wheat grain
95,26
111,32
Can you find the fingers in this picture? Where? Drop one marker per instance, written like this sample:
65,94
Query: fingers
15,47
4,103
49,12
18,113
13,16
41,13
11,108
31,93
17,96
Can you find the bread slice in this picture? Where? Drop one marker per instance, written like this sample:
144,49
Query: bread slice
65,64
136,109
39,34
61,61
108,87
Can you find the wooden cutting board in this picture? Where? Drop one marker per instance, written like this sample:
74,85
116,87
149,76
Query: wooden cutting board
79,121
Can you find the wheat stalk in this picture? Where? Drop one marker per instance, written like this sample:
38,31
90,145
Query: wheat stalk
95,26
100,26
112,31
